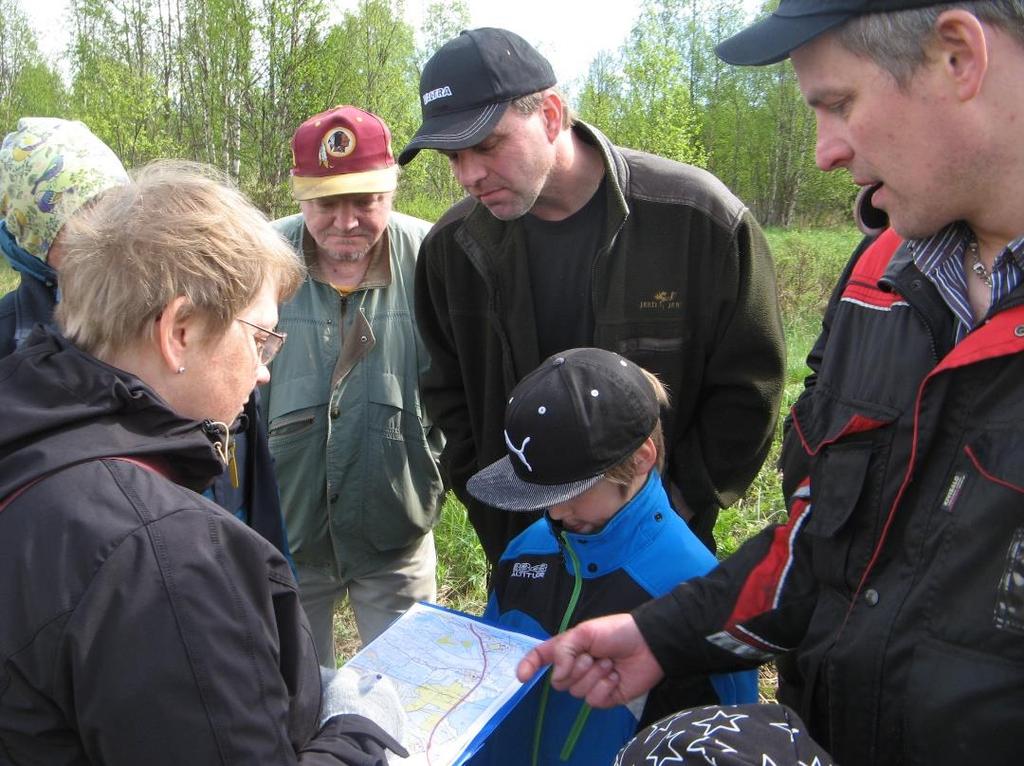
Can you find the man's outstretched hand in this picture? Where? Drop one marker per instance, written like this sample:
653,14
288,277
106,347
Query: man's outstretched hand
605,661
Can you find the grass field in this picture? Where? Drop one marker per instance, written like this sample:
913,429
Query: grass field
807,265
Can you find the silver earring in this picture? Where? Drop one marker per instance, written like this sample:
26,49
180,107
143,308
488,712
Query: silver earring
181,369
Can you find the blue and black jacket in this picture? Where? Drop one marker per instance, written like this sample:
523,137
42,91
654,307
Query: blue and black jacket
550,579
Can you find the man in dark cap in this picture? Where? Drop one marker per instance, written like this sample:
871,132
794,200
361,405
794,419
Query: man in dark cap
895,594
566,241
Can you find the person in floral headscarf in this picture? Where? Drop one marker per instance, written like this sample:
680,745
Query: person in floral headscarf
49,169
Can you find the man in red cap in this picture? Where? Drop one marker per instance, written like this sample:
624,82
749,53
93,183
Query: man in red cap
894,596
355,454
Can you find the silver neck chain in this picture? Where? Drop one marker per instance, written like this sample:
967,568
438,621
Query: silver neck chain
977,266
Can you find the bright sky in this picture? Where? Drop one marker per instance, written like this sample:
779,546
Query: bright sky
570,33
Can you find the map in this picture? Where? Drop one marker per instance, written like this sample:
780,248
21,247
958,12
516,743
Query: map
455,675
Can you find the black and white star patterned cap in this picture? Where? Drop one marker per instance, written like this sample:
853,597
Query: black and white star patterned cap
580,413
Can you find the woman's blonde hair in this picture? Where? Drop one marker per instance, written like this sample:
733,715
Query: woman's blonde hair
623,473
178,229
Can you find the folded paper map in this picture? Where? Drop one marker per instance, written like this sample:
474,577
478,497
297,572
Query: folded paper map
455,676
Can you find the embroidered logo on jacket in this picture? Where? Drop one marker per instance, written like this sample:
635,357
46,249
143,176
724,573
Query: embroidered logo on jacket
529,571
663,300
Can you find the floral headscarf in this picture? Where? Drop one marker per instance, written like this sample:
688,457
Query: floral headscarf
49,168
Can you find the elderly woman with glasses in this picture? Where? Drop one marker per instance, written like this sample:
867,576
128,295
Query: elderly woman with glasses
49,170
139,622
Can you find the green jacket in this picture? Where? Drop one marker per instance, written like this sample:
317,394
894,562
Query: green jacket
683,284
356,454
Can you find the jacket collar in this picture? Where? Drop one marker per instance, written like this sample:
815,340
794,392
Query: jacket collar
378,271
631,530
491,232
67,406
34,302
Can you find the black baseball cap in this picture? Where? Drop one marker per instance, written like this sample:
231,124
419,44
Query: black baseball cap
580,413
468,84
797,22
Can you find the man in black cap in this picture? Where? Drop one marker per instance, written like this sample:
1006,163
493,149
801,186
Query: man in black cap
565,241
895,594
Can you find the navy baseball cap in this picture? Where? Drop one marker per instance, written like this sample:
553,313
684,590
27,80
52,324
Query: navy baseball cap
468,84
579,414
797,22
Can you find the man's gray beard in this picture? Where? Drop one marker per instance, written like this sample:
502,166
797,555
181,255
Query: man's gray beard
347,257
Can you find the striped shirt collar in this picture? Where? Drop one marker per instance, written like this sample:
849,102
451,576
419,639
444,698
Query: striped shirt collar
941,259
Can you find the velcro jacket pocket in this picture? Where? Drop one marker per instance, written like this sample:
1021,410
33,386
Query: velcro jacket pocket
819,419
403,484
842,490
840,473
1001,467
397,393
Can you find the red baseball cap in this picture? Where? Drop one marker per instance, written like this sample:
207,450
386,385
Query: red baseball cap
344,150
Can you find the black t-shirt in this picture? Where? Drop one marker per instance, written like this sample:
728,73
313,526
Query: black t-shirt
560,255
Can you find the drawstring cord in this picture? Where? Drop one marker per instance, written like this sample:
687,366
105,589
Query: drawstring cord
222,446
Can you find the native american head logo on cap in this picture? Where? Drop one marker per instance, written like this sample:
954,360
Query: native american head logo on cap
337,142
345,150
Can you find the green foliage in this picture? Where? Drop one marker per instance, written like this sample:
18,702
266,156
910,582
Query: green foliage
28,84
665,92
228,81
649,107
807,265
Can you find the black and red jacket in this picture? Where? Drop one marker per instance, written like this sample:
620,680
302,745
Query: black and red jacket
896,591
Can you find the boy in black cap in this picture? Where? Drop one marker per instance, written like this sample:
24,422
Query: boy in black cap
584,444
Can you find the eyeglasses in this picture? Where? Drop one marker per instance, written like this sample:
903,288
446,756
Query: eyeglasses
267,346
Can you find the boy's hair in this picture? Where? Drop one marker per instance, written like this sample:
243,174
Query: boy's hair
626,471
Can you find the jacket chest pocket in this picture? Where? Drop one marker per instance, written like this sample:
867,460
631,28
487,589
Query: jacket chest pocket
839,482
848,448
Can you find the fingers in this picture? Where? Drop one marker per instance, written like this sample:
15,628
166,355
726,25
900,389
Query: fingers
530,664
579,673
593,680
561,652
573,667
604,692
